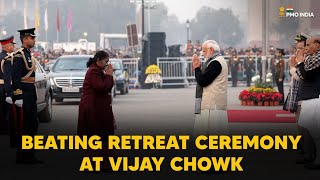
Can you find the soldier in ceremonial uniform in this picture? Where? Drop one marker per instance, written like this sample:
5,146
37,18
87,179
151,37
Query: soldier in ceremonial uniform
249,65
234,67
279,71
24,94
7,45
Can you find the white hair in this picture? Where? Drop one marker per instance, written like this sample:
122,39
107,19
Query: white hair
212,44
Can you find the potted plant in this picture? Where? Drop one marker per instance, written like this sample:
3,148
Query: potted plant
260,99
278,97
244,97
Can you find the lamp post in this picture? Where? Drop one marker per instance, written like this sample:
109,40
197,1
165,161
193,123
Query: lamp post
4,32
188,27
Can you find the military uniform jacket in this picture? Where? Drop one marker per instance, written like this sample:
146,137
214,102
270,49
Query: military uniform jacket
249,64
3,54
233,63
23,69
5,72
279,69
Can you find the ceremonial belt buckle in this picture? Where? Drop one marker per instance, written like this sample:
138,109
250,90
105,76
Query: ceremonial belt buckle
28,80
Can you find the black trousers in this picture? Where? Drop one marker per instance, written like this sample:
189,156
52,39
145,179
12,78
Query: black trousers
27,121
249,76
280,89
3,112
234,78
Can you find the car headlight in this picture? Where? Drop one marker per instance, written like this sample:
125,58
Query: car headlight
51,82
121,77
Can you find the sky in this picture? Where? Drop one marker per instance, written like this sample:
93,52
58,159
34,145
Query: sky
187,9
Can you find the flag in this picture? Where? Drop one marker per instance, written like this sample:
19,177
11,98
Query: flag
37,19
46,20
69,20
25,18
58,21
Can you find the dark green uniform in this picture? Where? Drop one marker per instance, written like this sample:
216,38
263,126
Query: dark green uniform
249,65
234,66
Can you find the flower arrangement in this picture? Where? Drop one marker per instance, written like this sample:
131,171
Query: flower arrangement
153,69
259,84
276,96
153,75
261,92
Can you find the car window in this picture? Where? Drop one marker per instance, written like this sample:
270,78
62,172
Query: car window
38,68
71,64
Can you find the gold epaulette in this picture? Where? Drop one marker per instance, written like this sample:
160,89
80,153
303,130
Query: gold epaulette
9,57
1,64
20,53
17,92
17,55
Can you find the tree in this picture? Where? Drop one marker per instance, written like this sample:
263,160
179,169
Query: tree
161,22
286,27
221,25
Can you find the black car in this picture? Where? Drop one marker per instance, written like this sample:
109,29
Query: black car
121,75
49,65
67,76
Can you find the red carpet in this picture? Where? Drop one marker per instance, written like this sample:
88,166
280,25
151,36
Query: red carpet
260,116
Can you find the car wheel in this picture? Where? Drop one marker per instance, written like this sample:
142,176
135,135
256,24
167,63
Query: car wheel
46,114
59,99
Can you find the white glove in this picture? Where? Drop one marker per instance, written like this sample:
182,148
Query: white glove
9,100
19,102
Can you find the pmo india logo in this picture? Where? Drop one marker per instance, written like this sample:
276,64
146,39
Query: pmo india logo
289,12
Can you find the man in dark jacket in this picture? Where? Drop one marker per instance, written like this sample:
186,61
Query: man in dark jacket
308,69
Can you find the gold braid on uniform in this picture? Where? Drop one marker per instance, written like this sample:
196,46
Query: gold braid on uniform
2,62
30,69
8,57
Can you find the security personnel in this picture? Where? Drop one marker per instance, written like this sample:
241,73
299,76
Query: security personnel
248,64
279,72
234,67
24,94
7,45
